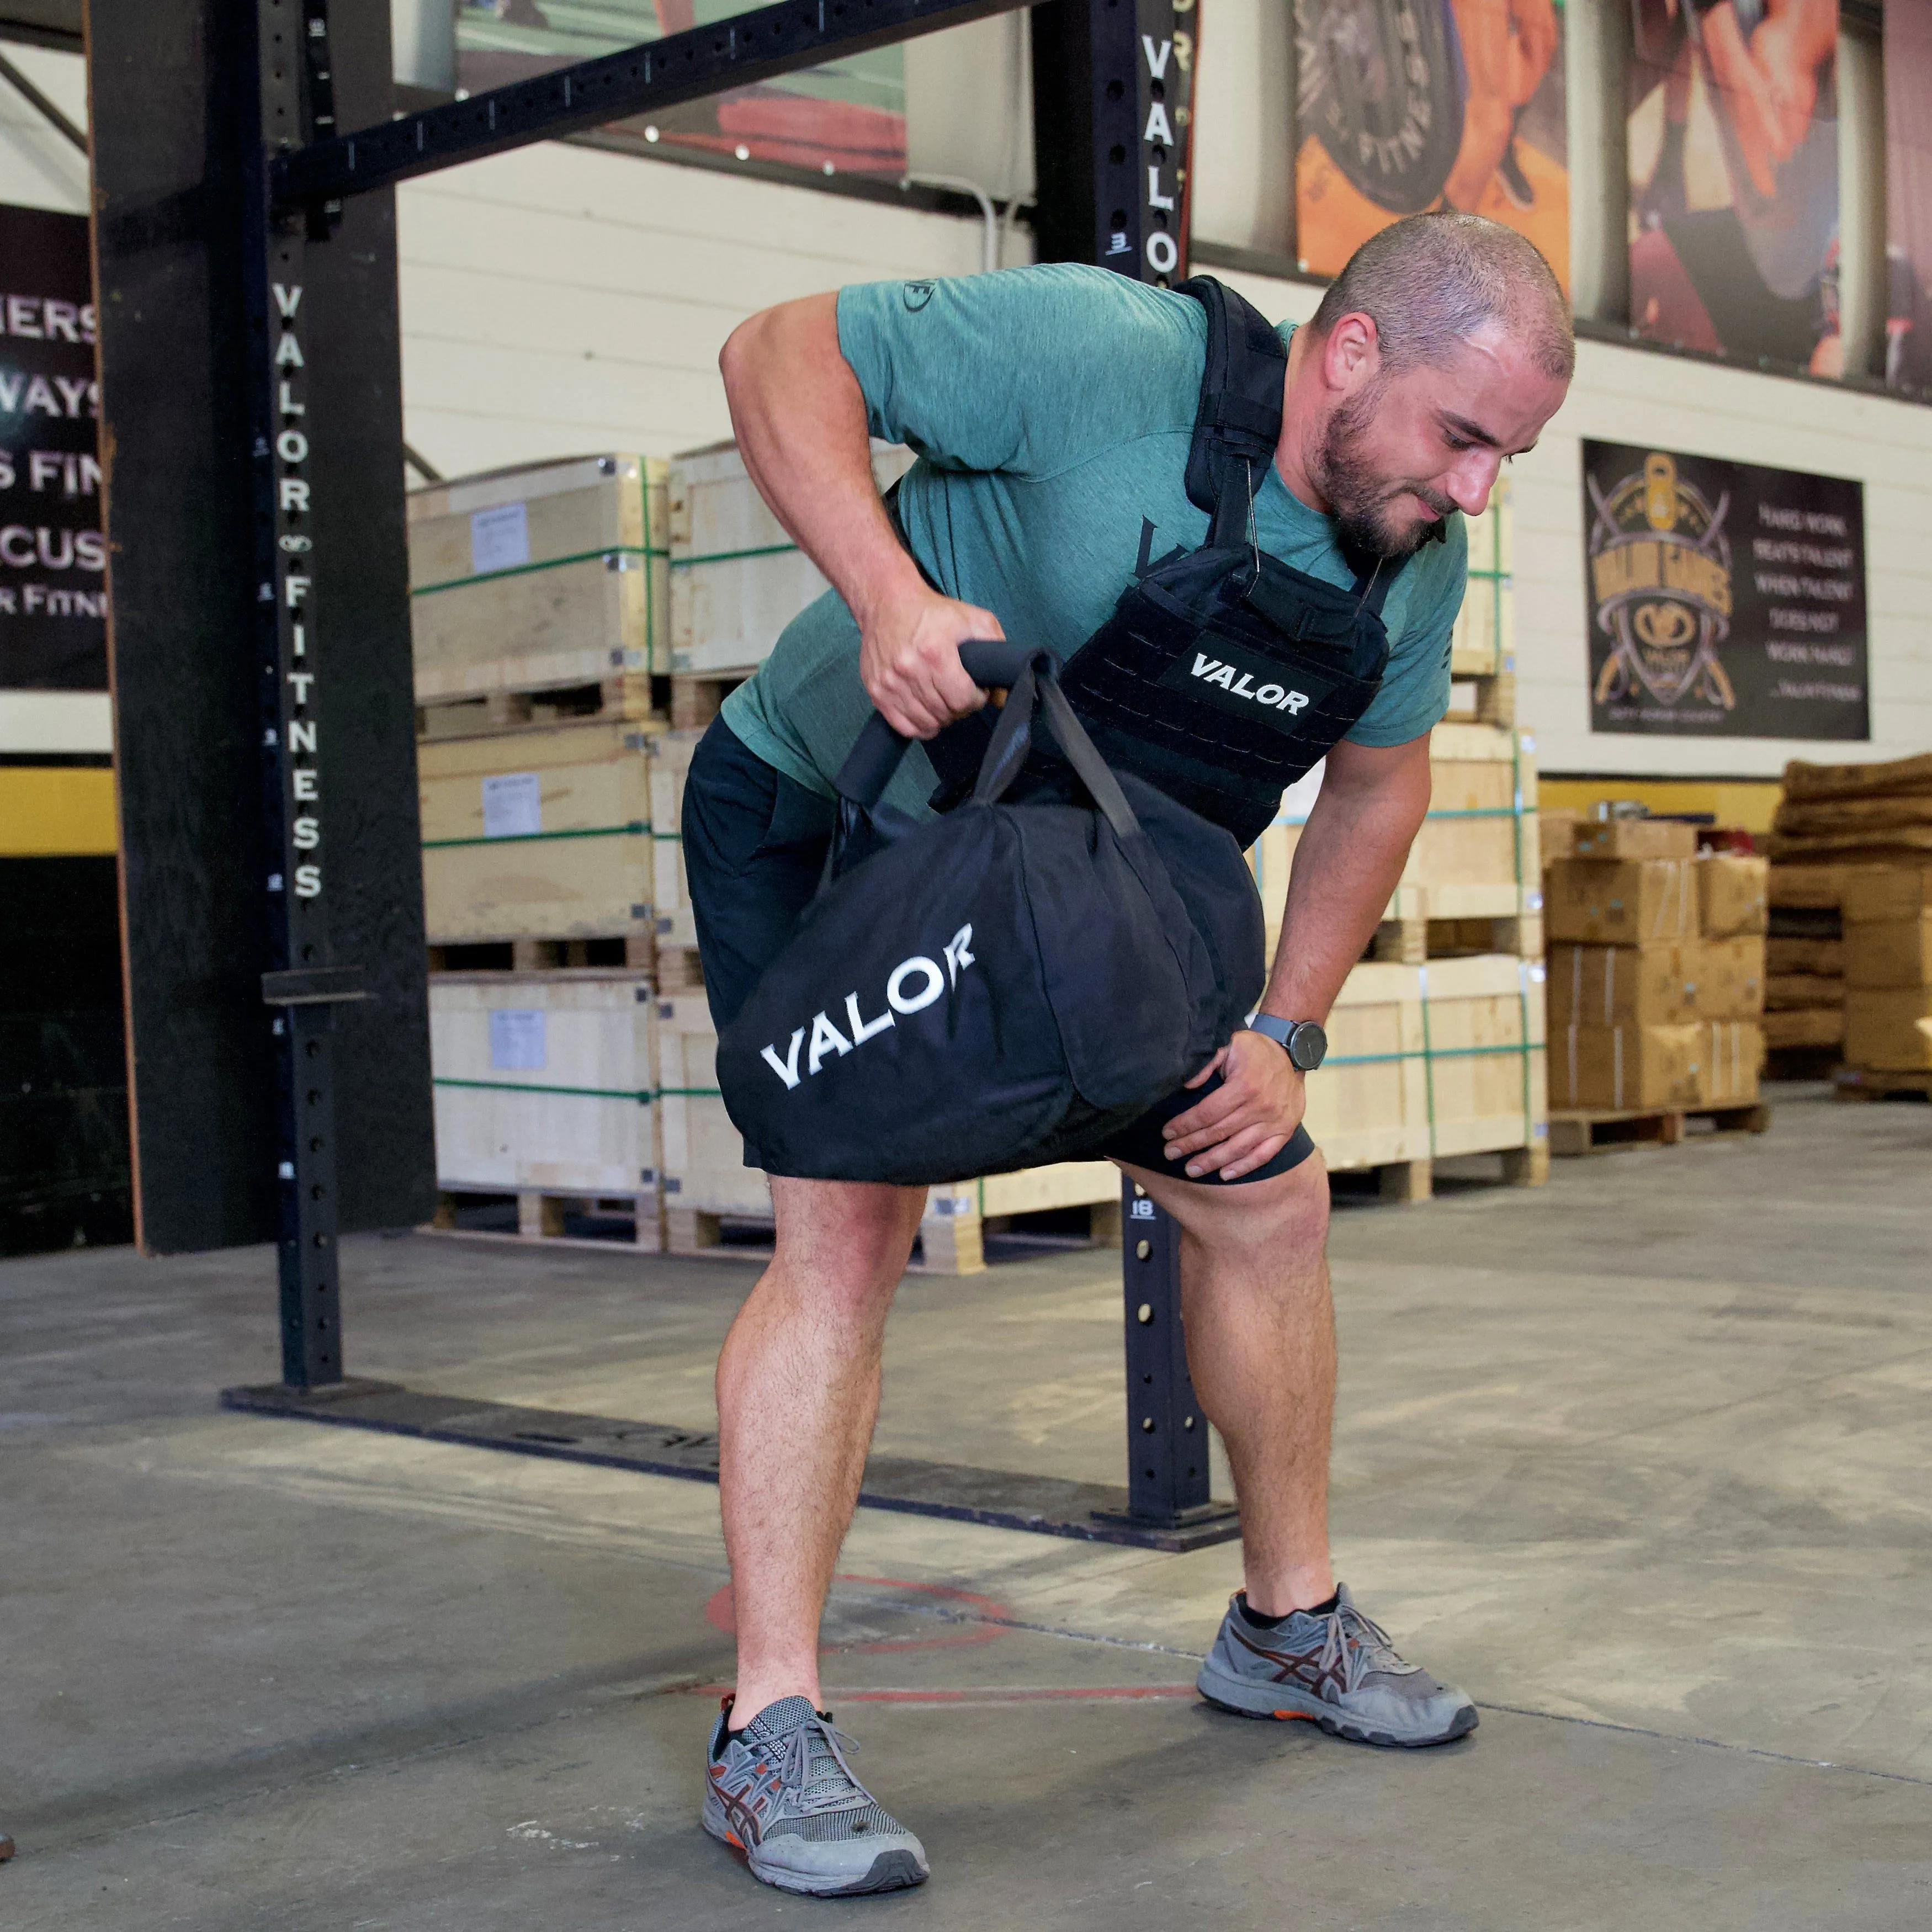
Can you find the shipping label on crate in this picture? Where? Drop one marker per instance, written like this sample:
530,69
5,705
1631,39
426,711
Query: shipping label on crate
499,537
517,1039
512,805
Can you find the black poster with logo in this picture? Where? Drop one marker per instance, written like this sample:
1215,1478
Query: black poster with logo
1722,599
53,587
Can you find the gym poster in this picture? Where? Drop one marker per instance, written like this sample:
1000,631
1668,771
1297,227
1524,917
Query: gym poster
1908,193
1733,147
1722,599
53,583
1406,105
847,117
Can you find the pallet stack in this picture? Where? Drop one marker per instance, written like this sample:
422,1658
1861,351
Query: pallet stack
1656,985
1834,826
1804,972
1436,1044
1888,914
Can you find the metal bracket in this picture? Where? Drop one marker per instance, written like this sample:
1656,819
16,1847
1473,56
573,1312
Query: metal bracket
313,986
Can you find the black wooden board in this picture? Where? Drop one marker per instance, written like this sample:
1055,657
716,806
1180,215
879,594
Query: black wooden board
168,165
1046,1505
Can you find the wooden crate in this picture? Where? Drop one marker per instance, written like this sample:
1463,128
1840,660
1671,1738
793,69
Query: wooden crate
671,892
544,576
703,1164
537,834
543,1082
1477,857
952,1232
737,578
1429,1061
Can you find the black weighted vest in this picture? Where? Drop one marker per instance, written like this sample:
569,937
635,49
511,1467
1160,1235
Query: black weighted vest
1223,675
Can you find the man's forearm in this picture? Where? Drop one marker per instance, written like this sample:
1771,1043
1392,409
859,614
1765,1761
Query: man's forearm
1350,855
799,419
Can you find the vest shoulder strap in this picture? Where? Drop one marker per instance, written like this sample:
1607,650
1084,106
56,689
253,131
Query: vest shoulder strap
1239,421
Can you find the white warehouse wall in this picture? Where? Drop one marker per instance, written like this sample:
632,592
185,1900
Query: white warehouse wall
561,299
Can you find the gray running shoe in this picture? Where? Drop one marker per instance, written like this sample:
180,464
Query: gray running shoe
780,1792
1338,1671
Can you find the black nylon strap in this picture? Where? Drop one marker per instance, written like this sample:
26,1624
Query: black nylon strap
1238,422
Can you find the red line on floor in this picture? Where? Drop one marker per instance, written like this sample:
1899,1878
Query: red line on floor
987,1694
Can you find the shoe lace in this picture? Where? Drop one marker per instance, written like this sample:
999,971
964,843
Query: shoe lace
1358,1644
814,1765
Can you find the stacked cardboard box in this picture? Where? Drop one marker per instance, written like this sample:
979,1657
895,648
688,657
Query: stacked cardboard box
1657,970
1855,814
1888,950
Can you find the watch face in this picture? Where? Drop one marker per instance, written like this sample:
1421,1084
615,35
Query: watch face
1307,1046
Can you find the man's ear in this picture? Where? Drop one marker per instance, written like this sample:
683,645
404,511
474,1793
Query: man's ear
1352,354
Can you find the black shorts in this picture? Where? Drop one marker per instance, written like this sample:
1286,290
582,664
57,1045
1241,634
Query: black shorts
755,845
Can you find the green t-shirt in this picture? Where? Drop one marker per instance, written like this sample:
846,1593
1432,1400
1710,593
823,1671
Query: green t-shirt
1051,409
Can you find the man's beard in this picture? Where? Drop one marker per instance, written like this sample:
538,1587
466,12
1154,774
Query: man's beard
1360,502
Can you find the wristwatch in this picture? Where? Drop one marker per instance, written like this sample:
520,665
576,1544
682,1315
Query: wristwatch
1305,1042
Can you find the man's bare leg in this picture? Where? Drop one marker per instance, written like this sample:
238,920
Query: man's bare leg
1260,1349
798,1394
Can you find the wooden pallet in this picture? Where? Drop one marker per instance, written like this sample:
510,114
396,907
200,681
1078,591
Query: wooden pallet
1409,1181
637,951
1861,1083
1494,697
1803,1063
543,1216
696,696
624,697
1611,1130
948,1243
1410,941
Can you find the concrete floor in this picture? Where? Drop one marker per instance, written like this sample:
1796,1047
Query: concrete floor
1639,1458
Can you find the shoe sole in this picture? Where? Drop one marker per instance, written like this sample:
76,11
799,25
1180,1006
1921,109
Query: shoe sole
1273,1701
890,1871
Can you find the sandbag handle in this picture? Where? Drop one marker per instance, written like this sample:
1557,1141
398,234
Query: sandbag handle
869,768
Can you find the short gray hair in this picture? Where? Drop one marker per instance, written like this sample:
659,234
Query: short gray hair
1430,282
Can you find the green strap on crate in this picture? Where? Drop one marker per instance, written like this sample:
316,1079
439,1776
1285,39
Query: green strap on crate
734,556
637,829
645,549
532,1086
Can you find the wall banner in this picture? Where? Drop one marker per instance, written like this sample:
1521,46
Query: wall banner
1722,599
53,586
1908,193
1405,105
1733,146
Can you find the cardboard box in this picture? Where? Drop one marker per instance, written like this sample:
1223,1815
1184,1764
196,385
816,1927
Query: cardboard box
1890,953
1733,895
1873,894
1635,838
1729,978
1889,1029
1621,902
1733,1052
1622,985
1607,1069
1558,828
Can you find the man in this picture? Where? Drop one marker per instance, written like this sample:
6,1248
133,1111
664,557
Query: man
1053,408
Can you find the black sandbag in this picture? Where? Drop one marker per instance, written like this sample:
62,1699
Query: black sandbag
1002,986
